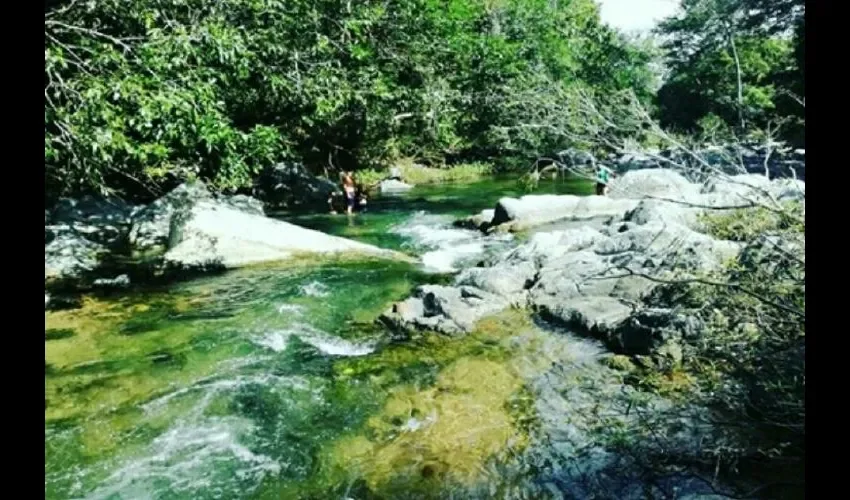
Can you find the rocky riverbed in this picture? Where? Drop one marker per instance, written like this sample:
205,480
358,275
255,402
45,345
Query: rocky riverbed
594,275
91,243
500,375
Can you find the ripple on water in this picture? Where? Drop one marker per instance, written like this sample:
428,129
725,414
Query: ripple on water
205,455
445,248
290,309
278,340
315,289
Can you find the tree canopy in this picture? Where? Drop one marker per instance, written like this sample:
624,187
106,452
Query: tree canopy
141,94
739,62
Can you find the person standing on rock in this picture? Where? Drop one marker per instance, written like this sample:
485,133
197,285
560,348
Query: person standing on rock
602,178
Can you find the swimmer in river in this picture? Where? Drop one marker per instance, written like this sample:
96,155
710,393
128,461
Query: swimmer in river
350,191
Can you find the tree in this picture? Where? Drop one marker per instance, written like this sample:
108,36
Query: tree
140,95
734,59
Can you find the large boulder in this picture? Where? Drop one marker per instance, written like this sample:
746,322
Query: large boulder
745,186
152,225
289,185
594,316
536,210
667,212
653,183
671,246
213,234
544,247
567,277
70,257
505,279
102,221
789,189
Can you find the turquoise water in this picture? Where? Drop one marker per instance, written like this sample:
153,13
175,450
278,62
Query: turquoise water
276,382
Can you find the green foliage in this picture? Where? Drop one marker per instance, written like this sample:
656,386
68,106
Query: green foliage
747,224
702,47
749,364
143,94
415,174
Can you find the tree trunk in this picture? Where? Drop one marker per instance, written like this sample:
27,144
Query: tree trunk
740,82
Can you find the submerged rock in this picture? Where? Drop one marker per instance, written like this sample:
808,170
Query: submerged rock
390,186
480,221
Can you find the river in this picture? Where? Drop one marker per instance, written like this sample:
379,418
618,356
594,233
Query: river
275,382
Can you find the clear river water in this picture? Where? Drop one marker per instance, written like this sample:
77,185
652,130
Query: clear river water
275,381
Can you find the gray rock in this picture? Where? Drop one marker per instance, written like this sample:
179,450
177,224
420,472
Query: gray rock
69,256
649,329
506,280
211,234
745,187
658,182
289,185
542,248
671,246
103,221
535,210
480,221
390,186
664,211
636,161
448,310
576,158
244,203
566,277
594,316
775,256
789,189
152,225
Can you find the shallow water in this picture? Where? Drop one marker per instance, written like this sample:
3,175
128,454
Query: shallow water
275,382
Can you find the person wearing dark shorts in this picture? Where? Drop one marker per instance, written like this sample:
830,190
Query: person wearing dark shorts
602,180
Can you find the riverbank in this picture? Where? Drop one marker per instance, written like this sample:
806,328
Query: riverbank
678,289
416,174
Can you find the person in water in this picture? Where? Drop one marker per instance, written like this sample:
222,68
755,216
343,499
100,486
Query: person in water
602,179
350,191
